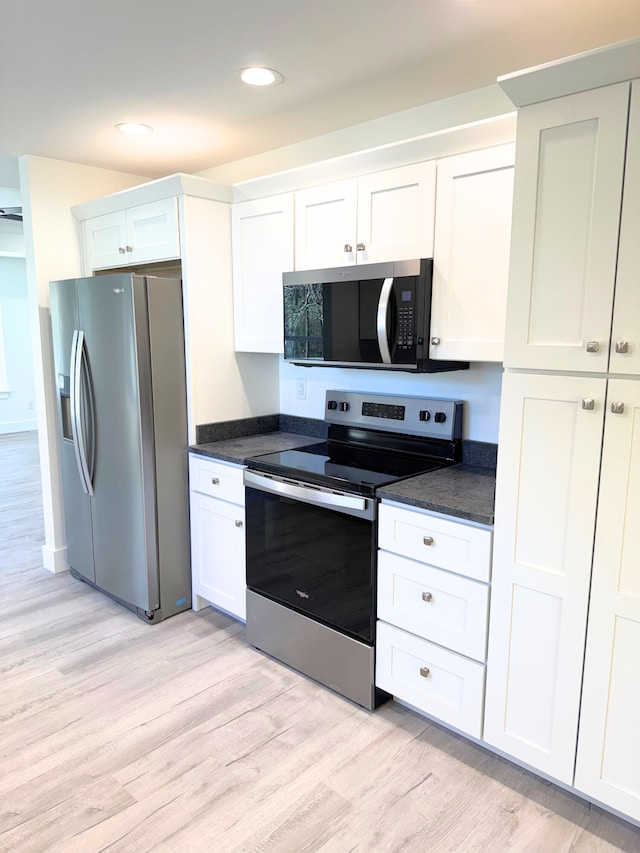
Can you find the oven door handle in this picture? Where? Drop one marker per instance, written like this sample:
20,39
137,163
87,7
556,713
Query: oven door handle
311,495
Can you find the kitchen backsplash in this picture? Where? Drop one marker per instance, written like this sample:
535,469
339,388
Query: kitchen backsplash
479,386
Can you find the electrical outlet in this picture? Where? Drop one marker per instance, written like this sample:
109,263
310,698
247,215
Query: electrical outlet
31,405
301,389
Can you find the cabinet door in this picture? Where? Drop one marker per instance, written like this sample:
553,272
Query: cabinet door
152,231
471,255
567,196
262,251
625,344
218,571
545,511
104,239
325,220
396,211
608,763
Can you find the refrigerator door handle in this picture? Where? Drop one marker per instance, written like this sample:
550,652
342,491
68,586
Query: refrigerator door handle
82,446
74,373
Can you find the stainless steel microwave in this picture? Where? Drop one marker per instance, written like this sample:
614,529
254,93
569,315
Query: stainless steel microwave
374,316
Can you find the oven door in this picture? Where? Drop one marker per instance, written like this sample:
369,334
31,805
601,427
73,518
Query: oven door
313,550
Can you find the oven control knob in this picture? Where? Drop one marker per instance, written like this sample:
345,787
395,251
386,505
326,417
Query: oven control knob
344,407
439,417
331,404
425,415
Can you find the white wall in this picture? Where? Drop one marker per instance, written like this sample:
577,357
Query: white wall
479,386
475,107
17,401
52,244
11,238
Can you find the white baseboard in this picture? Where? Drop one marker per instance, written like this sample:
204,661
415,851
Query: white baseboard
18,426
54,559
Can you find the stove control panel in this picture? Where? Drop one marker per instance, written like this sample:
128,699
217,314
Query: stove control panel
430,417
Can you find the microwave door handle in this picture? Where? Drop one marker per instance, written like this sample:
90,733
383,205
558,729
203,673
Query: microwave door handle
381,320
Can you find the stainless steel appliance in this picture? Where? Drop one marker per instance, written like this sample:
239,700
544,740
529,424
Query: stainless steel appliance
120,369
375,316
311,532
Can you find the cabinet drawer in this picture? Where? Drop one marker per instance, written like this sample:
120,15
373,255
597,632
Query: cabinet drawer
457,547
436,605
216,479
434,680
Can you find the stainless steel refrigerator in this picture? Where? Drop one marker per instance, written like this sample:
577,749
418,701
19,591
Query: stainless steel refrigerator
120,369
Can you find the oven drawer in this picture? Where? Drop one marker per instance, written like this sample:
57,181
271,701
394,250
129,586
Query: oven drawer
441,683
436,605
216,479
457,547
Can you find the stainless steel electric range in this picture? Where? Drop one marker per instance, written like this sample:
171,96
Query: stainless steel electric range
311,532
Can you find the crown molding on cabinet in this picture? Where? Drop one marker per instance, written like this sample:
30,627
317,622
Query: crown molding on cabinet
172,185
591,70
486,133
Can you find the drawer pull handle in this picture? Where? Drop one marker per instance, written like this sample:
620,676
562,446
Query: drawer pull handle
425,672
593,346
215,481
427,540
427,596
238,523
622,346
617,408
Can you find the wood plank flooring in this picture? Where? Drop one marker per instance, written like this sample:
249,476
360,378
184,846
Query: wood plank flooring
179,738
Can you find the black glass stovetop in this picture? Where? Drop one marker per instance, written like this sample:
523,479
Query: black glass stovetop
343,466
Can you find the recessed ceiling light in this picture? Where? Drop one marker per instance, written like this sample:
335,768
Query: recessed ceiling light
259,76
132,128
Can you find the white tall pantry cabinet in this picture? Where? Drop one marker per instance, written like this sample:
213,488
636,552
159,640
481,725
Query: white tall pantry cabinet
570,452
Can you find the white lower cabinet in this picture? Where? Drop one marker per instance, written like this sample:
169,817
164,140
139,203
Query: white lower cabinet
608,759
547,484
431,678
218,573
433,614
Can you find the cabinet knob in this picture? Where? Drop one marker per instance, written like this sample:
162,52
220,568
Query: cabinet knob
593,346
238,522
427,540
215,481
425,672
622,346
588,404
121,249
129,248
427,596
348,247
435,342
617,408
360,247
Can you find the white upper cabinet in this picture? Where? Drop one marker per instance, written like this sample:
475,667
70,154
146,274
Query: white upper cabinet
385,216
625,342
142,234
471,255
396,214
568,190
548,466
262,250
325,226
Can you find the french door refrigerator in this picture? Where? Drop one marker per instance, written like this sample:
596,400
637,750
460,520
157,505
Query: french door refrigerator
119,360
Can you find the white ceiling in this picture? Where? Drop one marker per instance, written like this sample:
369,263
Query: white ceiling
71,69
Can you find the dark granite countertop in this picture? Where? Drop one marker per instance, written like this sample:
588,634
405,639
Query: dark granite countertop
238,449
464,491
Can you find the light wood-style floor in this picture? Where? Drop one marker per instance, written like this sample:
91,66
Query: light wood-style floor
121,736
